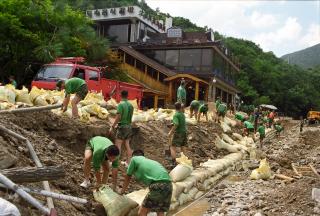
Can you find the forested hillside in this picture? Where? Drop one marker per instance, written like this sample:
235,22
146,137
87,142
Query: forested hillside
306,58
34,32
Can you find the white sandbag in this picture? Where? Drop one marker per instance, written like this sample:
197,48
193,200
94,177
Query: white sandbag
228,139
177,189
180,172
192,193
198,195
263,172
226,128
7,208
230,122
220,144
113,203
237,136
203,186
200,174
183,198
7,94
189,183
138,196
174,206
191,121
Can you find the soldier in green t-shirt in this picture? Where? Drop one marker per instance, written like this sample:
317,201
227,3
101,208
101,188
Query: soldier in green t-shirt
248,128
76,86
100,150
221,110
155,176
278,127
262,133
123,123
194,107
181,93
203,109
178,133
217,103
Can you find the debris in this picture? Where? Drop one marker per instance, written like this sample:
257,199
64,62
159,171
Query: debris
284,177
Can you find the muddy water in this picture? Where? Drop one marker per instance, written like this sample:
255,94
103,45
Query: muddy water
196,209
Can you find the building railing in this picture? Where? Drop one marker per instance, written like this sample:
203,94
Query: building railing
145,78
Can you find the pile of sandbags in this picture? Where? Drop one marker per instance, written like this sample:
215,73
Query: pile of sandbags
7,94
113,203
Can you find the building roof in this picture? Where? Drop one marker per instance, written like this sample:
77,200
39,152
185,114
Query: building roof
146,60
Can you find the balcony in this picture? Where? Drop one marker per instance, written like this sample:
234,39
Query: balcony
143,78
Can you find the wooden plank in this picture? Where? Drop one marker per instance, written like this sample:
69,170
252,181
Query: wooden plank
31,174
314,170
284,177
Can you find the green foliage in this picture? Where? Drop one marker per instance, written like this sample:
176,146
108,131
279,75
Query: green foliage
266,79
39,31
306,58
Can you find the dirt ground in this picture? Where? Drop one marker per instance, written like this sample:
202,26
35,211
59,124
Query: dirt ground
238,195
61,141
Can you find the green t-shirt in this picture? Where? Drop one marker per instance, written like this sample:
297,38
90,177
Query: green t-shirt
99,146
147,171
248,125
262,130
218,102
125,109
278,127
203,109
73,85
239,116
179,120
222,108
195,104
181,94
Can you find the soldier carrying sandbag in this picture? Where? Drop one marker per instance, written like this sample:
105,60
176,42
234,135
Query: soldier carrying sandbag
76,86
155,176
100,150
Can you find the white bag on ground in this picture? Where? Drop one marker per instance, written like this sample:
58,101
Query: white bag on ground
138,196
230,122
220,144
263,172
237,136
228,139
177,189
113,203
180,172
226,128
7,208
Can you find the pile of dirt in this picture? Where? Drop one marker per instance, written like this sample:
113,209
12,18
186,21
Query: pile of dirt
239,195
61,141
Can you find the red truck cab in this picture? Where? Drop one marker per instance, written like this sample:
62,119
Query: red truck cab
66,68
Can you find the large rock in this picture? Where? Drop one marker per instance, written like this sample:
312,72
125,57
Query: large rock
7,160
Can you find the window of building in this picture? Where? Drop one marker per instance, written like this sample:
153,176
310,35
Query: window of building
119,33
162,77
172,59
159,56
129,60
140,65
206,60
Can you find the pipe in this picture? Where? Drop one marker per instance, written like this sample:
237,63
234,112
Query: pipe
34,157
31,109
8,183
55,195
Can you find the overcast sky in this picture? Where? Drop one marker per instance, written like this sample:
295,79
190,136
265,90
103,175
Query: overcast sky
279,26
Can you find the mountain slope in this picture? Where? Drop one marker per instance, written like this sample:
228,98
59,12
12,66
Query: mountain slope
306,58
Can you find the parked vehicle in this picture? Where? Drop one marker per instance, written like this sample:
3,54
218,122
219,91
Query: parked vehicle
66,68
313,117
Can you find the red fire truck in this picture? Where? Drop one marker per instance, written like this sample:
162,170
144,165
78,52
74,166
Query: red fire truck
65,68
